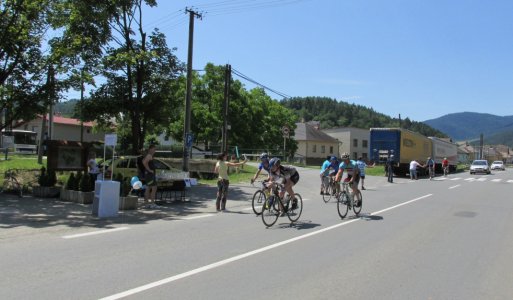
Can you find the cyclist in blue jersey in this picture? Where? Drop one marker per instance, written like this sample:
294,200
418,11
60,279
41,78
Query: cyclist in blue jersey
353,173
328,168
264,164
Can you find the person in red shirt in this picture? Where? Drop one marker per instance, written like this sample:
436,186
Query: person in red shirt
445,166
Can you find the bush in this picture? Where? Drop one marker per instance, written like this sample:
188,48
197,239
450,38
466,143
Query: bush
76,182
52,177
43,178
85,183
71,181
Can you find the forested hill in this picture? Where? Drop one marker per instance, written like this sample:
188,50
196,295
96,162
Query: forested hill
332,113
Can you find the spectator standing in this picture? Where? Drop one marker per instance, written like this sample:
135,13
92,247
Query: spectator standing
413,169
362,165
94,170
223,181
390,168
150,178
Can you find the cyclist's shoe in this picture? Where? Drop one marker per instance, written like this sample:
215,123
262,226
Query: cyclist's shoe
322,193
363,188
294,203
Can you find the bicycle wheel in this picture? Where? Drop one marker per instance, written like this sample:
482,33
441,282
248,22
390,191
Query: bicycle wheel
326,196
343,204
269,212
295,208
358,201
258,201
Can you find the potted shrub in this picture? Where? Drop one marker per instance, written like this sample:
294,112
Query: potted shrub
46,181
85,192
68,187
126,201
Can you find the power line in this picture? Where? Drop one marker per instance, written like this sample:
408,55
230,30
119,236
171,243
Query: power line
260,84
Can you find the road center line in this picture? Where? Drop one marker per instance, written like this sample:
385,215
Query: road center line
244,255
73,236
454,186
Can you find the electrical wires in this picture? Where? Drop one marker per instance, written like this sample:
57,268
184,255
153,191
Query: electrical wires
235,72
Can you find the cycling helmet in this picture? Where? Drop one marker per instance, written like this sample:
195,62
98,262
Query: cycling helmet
345,156
274,161
333,158
264,156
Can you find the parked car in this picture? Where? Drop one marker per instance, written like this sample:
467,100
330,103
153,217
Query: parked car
498,165
479,166
127,166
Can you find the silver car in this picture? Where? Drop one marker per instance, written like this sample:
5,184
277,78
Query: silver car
479,166
498,165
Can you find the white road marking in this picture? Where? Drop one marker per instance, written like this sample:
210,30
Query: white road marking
510,181
496,180
457,178
455,186
470,179
244,255
197,217
482,179
73,236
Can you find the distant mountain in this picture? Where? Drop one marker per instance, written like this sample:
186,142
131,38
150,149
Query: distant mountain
469,125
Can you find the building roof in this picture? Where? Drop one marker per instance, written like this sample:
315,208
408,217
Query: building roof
70,121
305,132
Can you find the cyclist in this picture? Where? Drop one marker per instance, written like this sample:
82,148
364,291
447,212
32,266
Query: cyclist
264,164
353,174
430,163
329,169
289,177
445,166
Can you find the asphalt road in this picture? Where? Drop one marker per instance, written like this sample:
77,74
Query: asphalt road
448,238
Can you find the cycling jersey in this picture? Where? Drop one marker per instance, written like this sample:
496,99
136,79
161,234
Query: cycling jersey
349,168
261,166
286,172
325,167
430,163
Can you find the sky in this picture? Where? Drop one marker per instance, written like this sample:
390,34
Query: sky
421,59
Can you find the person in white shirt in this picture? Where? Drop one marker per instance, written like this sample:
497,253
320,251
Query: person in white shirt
413,169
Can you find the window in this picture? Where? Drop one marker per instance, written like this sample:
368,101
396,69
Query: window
331,149
355,155
355,142
323,149
314,148
364,156
364,144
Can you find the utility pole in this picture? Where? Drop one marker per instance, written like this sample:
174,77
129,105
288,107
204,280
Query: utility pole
187,137
226,103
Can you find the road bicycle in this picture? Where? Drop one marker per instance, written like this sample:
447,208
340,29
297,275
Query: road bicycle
329,188
431,172
271,209
446,170
11,184
346,201
259,198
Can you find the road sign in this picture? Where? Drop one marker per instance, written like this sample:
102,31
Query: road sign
286,131
190,139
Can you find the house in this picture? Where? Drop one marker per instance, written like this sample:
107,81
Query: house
354,141
313,145
63,129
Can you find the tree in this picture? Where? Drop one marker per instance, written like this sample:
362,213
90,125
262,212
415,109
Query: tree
23,67
255,119
140,71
